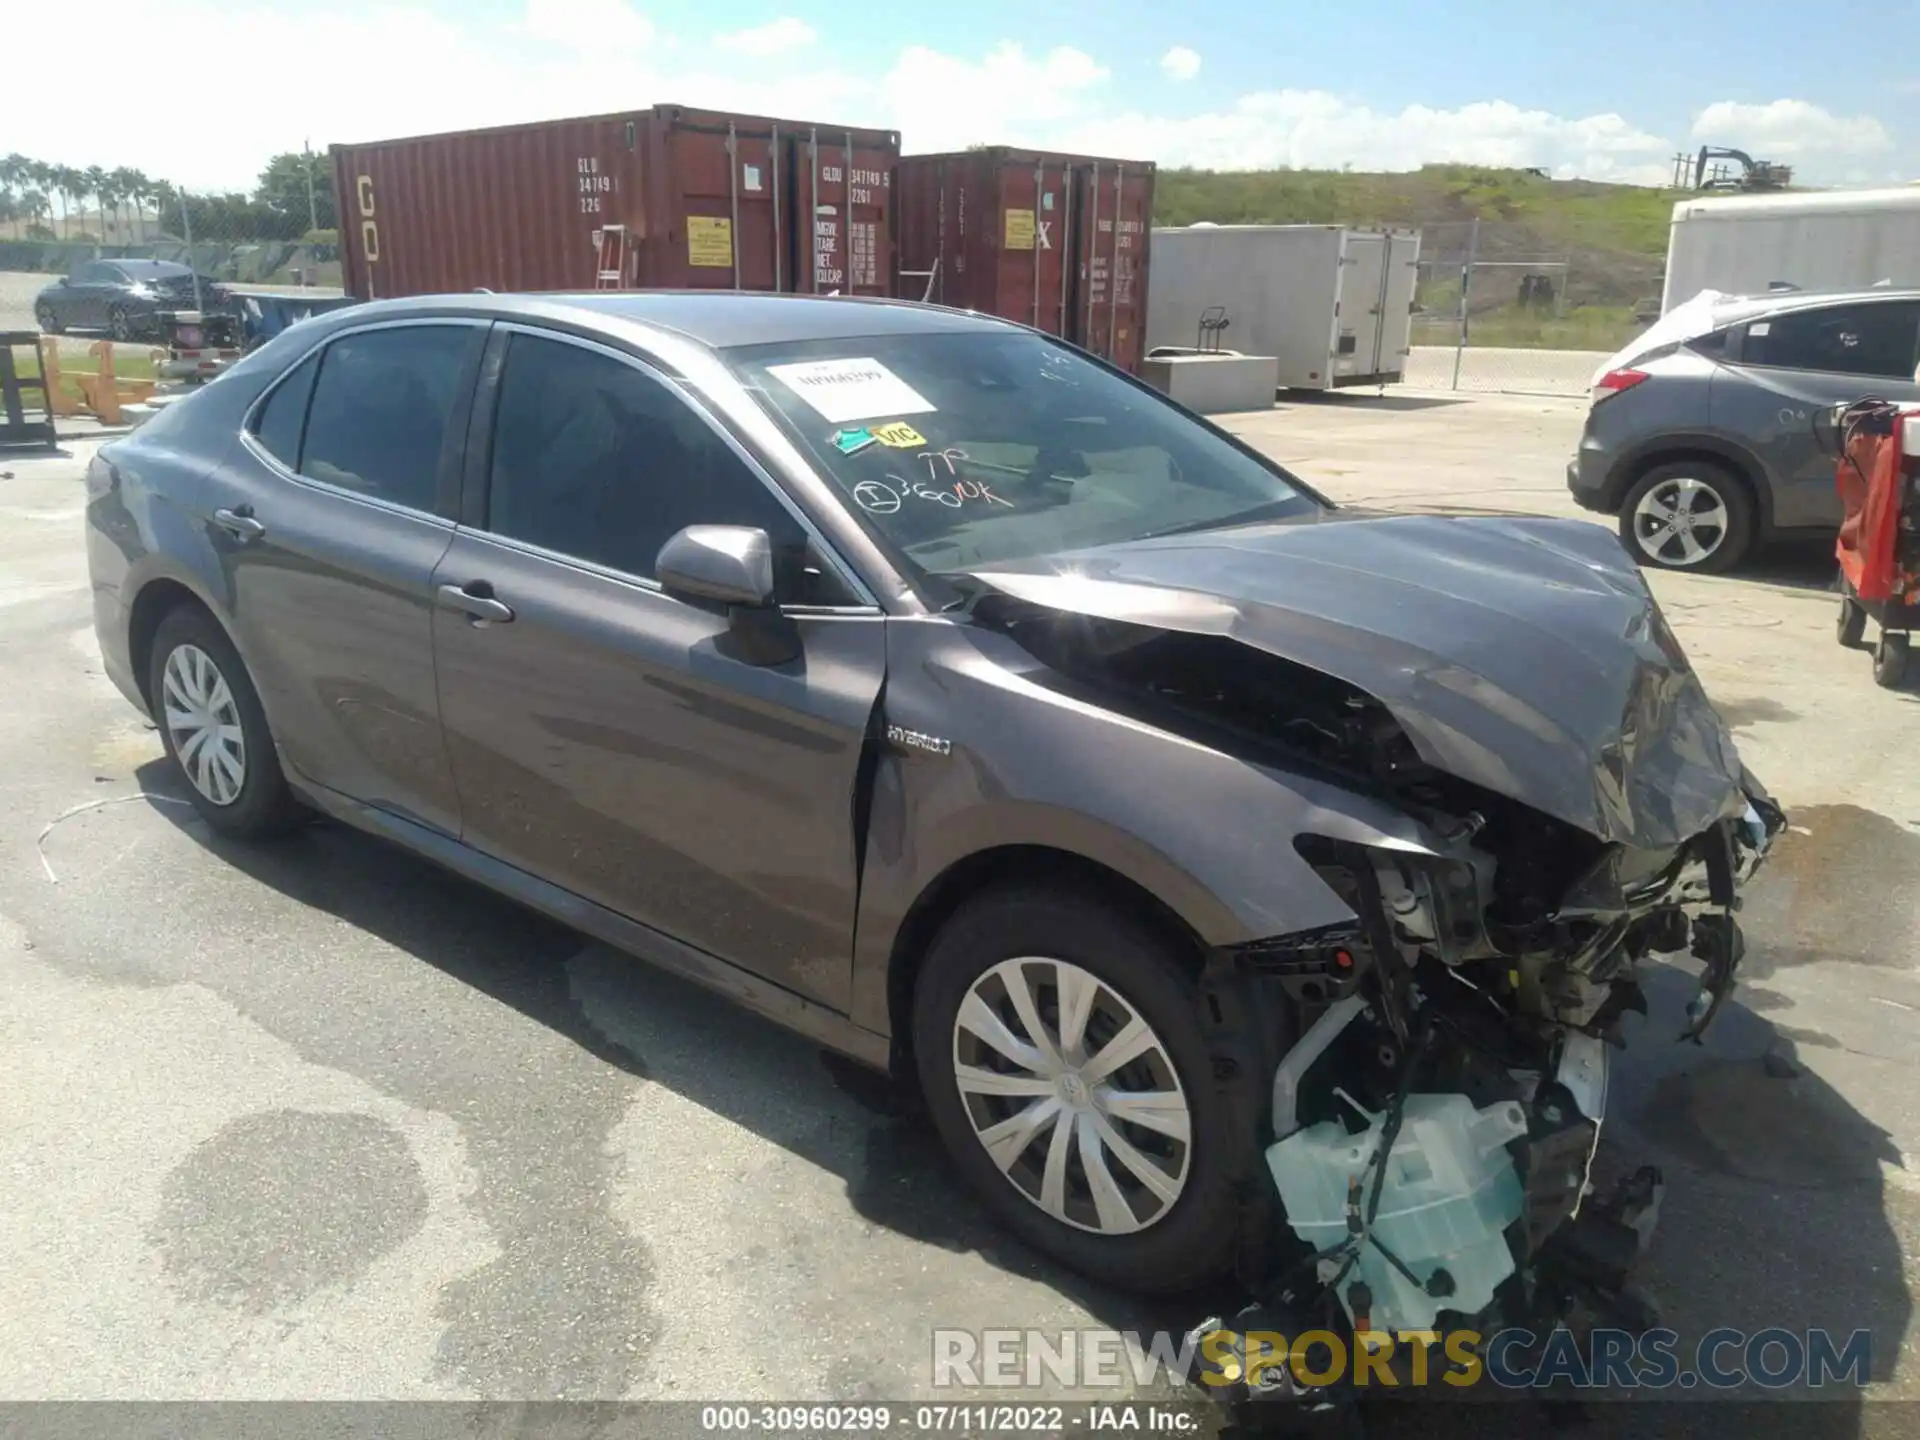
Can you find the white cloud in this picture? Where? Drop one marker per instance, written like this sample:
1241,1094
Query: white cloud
1010,96
1314,129
589,25
776,37
1791,130
1180,63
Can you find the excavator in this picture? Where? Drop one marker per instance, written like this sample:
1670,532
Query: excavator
1754,174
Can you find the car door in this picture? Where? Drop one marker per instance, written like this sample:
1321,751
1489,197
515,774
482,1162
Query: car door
611,738
1790,369
329,518
84,306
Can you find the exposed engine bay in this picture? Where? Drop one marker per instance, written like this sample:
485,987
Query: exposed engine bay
1440,1084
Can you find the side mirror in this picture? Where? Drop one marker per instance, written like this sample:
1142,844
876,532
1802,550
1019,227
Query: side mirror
731,564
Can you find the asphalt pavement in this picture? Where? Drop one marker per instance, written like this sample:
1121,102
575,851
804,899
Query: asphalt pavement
318,1121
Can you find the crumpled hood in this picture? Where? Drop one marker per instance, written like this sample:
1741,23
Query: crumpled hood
1524,655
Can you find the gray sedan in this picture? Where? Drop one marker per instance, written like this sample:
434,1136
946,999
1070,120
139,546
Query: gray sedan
956,700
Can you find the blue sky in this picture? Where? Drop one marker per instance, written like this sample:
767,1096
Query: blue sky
1606,91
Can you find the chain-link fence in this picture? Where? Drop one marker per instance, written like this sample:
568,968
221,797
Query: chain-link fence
1495,313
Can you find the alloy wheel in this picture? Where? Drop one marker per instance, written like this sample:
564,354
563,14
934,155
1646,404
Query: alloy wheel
204,723
1073,1095
1681,522
120,324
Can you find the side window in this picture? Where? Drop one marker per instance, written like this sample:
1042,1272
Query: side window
278,423
90,273
1870,338
598,460
380,408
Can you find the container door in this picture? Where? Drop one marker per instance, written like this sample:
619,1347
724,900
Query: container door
1396,320
715,222
843,187
1110,221
1029,244
1363,279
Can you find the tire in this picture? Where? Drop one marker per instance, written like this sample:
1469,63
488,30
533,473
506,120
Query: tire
1851,628
120,325
49,322
1720,508
260,805
1180,1240
1890,660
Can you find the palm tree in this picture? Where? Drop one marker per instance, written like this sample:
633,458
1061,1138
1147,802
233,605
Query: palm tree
143,195
66,182
126,188
33,204
91,179
13,176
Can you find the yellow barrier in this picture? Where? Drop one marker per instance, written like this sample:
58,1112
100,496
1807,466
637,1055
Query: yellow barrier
102,393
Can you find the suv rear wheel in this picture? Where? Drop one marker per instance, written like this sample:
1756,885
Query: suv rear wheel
1065,1068
1688,515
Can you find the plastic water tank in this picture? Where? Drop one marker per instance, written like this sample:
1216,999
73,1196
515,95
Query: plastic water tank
1449,1195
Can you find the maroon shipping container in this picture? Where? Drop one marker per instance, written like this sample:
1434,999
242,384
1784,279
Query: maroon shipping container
1058,242
667,198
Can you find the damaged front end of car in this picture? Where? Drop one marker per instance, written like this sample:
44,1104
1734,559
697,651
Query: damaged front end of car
1442,1065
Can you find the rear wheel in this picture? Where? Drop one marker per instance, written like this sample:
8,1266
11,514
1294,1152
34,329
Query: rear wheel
1890,660
1064,1066
1688,515
215,730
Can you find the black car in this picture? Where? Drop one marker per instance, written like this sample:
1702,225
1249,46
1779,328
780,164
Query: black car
122,297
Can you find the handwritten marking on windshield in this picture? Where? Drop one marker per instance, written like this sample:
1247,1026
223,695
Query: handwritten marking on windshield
884,497
875,498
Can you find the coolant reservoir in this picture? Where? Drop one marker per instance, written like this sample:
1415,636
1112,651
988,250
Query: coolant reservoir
1450,1193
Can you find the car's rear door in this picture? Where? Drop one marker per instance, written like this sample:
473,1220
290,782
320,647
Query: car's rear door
1784,371
330,518
85,305
615,740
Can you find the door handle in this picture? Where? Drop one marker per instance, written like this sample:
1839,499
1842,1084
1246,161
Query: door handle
475,599
239,523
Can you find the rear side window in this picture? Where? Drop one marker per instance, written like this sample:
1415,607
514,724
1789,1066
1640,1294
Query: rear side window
380,407
278,423
598,460
1870,338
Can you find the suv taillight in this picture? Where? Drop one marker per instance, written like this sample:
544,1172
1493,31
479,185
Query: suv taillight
1614,381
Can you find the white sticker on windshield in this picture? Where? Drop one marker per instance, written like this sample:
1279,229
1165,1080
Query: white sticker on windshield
843,390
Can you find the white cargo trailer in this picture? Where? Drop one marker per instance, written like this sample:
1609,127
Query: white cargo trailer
1819,240
1335,304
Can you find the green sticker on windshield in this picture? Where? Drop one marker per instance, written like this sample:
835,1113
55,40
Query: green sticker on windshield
852,442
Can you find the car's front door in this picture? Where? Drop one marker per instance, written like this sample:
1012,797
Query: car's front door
84,306
330,518
615,740
1793,367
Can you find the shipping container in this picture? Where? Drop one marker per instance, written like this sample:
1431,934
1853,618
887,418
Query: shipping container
1055,241
667,198
1333,304
1827,240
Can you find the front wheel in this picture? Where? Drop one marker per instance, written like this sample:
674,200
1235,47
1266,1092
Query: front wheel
215,730
48,320
1064,1065
120,324
1689,515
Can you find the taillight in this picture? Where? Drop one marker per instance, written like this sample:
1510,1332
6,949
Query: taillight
1614,381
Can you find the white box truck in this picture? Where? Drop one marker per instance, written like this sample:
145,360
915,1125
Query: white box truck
1333,303
1816,240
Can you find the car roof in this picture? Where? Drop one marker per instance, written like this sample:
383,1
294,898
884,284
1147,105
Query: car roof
1777,302
151,267
720,319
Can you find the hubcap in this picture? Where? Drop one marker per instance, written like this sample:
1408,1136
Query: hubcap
205,724
1073,1095
1680,522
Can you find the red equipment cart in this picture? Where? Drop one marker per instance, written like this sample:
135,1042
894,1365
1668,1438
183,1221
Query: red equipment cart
1879,545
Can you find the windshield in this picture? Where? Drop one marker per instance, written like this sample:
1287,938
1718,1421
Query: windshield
961,451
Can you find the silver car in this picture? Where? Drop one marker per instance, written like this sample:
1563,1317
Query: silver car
1704,443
